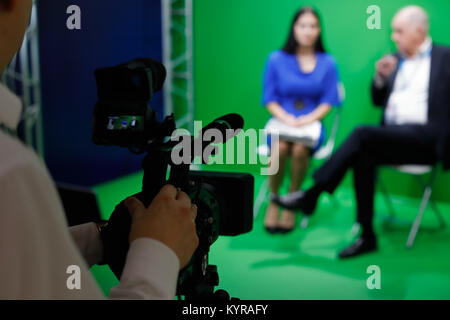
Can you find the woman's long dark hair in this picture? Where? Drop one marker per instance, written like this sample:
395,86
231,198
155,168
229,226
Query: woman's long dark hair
291,44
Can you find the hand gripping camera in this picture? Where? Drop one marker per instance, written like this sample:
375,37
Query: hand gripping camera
122,117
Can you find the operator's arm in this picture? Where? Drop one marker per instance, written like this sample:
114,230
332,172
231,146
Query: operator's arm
151,269
88,241
150,272
36,250
162,238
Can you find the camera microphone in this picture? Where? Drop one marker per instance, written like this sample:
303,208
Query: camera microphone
231,121
225,128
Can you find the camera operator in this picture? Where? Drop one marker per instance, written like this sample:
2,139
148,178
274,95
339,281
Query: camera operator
36,247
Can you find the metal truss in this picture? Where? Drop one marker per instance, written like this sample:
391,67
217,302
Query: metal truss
177,34
22,76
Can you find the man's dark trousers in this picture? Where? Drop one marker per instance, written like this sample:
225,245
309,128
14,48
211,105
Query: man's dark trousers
368,147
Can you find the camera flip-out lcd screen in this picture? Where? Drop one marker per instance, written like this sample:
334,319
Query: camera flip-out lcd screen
117,123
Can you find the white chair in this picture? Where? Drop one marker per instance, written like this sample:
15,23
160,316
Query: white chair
418,171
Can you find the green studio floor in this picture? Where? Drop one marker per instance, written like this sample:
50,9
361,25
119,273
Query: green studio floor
303,264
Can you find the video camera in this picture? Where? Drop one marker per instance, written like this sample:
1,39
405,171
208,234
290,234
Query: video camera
122,117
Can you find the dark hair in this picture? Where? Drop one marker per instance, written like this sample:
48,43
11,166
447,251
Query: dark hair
291,44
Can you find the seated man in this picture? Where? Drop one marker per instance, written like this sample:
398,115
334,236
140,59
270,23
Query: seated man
413,88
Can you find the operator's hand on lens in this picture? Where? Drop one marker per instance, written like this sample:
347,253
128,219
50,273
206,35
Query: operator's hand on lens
170,218
386,65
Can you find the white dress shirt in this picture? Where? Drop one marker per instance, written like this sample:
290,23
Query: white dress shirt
36,247
408,102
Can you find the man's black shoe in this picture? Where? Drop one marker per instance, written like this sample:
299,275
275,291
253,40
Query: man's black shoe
360,246
296,201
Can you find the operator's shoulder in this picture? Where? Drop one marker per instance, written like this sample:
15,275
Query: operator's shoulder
15,156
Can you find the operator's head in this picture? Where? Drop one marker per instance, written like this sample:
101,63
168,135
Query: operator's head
14,19
410,28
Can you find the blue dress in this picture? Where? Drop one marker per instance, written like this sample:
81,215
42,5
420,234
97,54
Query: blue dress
297,92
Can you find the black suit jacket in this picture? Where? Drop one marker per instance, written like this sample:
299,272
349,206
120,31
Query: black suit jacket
438,99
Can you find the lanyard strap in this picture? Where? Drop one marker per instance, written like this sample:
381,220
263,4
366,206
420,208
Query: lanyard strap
405,84
427,54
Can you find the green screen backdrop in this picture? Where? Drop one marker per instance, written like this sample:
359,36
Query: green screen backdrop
233,38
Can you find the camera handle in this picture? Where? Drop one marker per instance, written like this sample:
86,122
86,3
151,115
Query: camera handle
115,234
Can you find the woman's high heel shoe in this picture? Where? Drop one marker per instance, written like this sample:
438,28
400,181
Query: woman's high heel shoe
284,230
273,228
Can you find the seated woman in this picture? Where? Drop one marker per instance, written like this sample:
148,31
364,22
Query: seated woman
300,87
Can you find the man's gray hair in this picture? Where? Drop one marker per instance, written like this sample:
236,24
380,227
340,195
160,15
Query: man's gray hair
416,16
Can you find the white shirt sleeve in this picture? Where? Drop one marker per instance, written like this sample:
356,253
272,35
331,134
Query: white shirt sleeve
151,269
37,251
37,254
150,272
88,241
